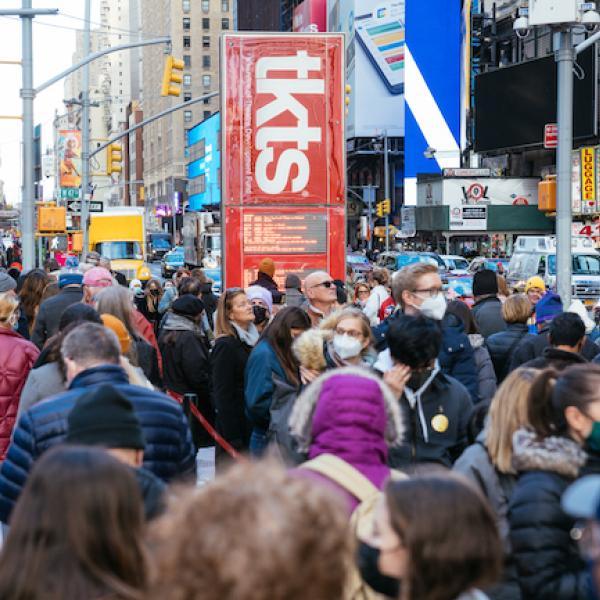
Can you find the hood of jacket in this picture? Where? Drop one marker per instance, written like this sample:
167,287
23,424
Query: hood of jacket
309,349
556,454
350,413
476,340
176,322
555,354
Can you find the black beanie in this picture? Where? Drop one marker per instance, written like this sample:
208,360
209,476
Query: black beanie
105,417
485,282
188,306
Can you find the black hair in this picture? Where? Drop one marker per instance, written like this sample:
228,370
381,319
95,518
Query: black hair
552,392
78,312
190,285
340,290
566,329
414,340
463,312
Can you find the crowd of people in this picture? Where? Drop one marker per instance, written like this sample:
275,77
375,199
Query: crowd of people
374,438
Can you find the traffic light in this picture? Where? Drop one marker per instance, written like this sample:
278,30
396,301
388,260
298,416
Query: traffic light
172,75
387,207
348,90
114,157
380,209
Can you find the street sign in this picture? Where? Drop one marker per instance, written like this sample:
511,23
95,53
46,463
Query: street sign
550,135
69,192
74,206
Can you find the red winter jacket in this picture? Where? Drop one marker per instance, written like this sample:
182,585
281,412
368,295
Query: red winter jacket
17,356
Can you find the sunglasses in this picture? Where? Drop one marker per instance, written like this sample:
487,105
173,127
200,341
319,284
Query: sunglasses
325,284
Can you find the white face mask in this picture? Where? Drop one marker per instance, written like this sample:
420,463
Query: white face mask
434,308
346,346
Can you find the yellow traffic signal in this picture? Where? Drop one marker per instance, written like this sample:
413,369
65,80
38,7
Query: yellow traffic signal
380,209
172,75
114,158
348,90
387,207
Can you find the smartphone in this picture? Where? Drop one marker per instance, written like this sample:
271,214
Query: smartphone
381,34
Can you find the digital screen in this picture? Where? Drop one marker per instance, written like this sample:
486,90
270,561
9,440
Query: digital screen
276,233
513,104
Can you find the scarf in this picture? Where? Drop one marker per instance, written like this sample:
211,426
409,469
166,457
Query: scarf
249,337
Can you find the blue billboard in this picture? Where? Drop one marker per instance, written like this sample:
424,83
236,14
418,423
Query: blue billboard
204,167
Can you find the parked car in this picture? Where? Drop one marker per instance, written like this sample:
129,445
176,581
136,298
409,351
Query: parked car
481,262
360,264
460,288
456,265
171,261
394,261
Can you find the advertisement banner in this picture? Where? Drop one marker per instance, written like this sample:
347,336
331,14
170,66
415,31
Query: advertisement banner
468,218
375,55
204,152
283,170
588,180
310,17
69,156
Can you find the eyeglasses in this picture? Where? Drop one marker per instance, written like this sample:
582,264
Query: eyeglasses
325,284
351,332
431,292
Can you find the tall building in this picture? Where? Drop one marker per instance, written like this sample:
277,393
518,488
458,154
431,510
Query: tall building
194,28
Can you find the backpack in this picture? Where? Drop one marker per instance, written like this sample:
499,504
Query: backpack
361,521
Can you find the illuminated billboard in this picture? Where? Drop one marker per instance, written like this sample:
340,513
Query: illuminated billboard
204,153
69,156
283,173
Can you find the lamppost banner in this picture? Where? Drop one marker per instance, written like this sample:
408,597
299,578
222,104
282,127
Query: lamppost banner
69,156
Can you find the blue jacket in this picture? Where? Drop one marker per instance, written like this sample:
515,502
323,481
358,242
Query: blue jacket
456,355
169,450
258,384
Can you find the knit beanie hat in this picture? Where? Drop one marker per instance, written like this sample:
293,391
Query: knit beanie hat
267,266
293,282
548,307
257,292
188,306
535,282
7,283
105,417
119,329
69,278
485,282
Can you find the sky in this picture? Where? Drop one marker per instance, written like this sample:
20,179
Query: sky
53,47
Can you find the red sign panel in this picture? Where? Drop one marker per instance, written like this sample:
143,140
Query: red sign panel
310,17
283,164
551,135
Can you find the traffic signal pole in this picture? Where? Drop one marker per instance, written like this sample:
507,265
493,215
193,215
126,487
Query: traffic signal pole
85,133
386,176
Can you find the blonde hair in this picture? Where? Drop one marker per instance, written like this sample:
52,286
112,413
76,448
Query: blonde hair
516,309
257,524
223,326
9,304
508,413
502,286
334,319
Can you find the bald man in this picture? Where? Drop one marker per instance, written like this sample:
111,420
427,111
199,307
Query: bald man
321,296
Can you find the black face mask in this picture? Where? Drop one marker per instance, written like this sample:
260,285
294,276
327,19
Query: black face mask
418,378
367,560
154,292
260,314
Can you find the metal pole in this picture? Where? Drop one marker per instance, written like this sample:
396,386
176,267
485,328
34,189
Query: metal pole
565,57
85,130
370,220
27,94
386,196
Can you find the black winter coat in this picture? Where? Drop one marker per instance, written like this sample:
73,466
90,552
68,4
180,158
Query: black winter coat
147,359
268,283
548,562
488,316
503,345
229,358
50,312
533,347
444,396
558,359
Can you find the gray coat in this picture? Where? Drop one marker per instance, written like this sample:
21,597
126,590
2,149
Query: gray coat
486,376
294,297
43,382
488,315
475,464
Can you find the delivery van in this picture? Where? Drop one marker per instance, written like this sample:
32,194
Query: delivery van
536,255
119,234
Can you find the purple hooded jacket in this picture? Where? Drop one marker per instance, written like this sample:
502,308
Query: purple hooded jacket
350,421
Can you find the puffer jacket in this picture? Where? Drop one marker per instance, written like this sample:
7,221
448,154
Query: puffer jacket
169,450
486,376
17,356
42,382
475,464
502,346
548,562
456,355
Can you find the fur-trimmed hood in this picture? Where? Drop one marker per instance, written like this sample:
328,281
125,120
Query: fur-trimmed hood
555,453
308,348
359,405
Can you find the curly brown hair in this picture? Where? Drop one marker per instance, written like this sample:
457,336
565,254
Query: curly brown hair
257,532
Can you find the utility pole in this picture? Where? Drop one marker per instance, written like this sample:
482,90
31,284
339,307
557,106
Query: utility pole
85,133
565,58
27,13
386,193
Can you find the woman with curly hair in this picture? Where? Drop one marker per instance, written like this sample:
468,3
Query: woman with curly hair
32,294
258,532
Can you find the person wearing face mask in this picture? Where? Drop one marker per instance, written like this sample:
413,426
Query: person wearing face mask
262,305
563,433
417,289
433,538
435,407
236,335
148,303
17,357
185,354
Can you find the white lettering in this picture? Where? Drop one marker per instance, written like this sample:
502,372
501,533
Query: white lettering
287,160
